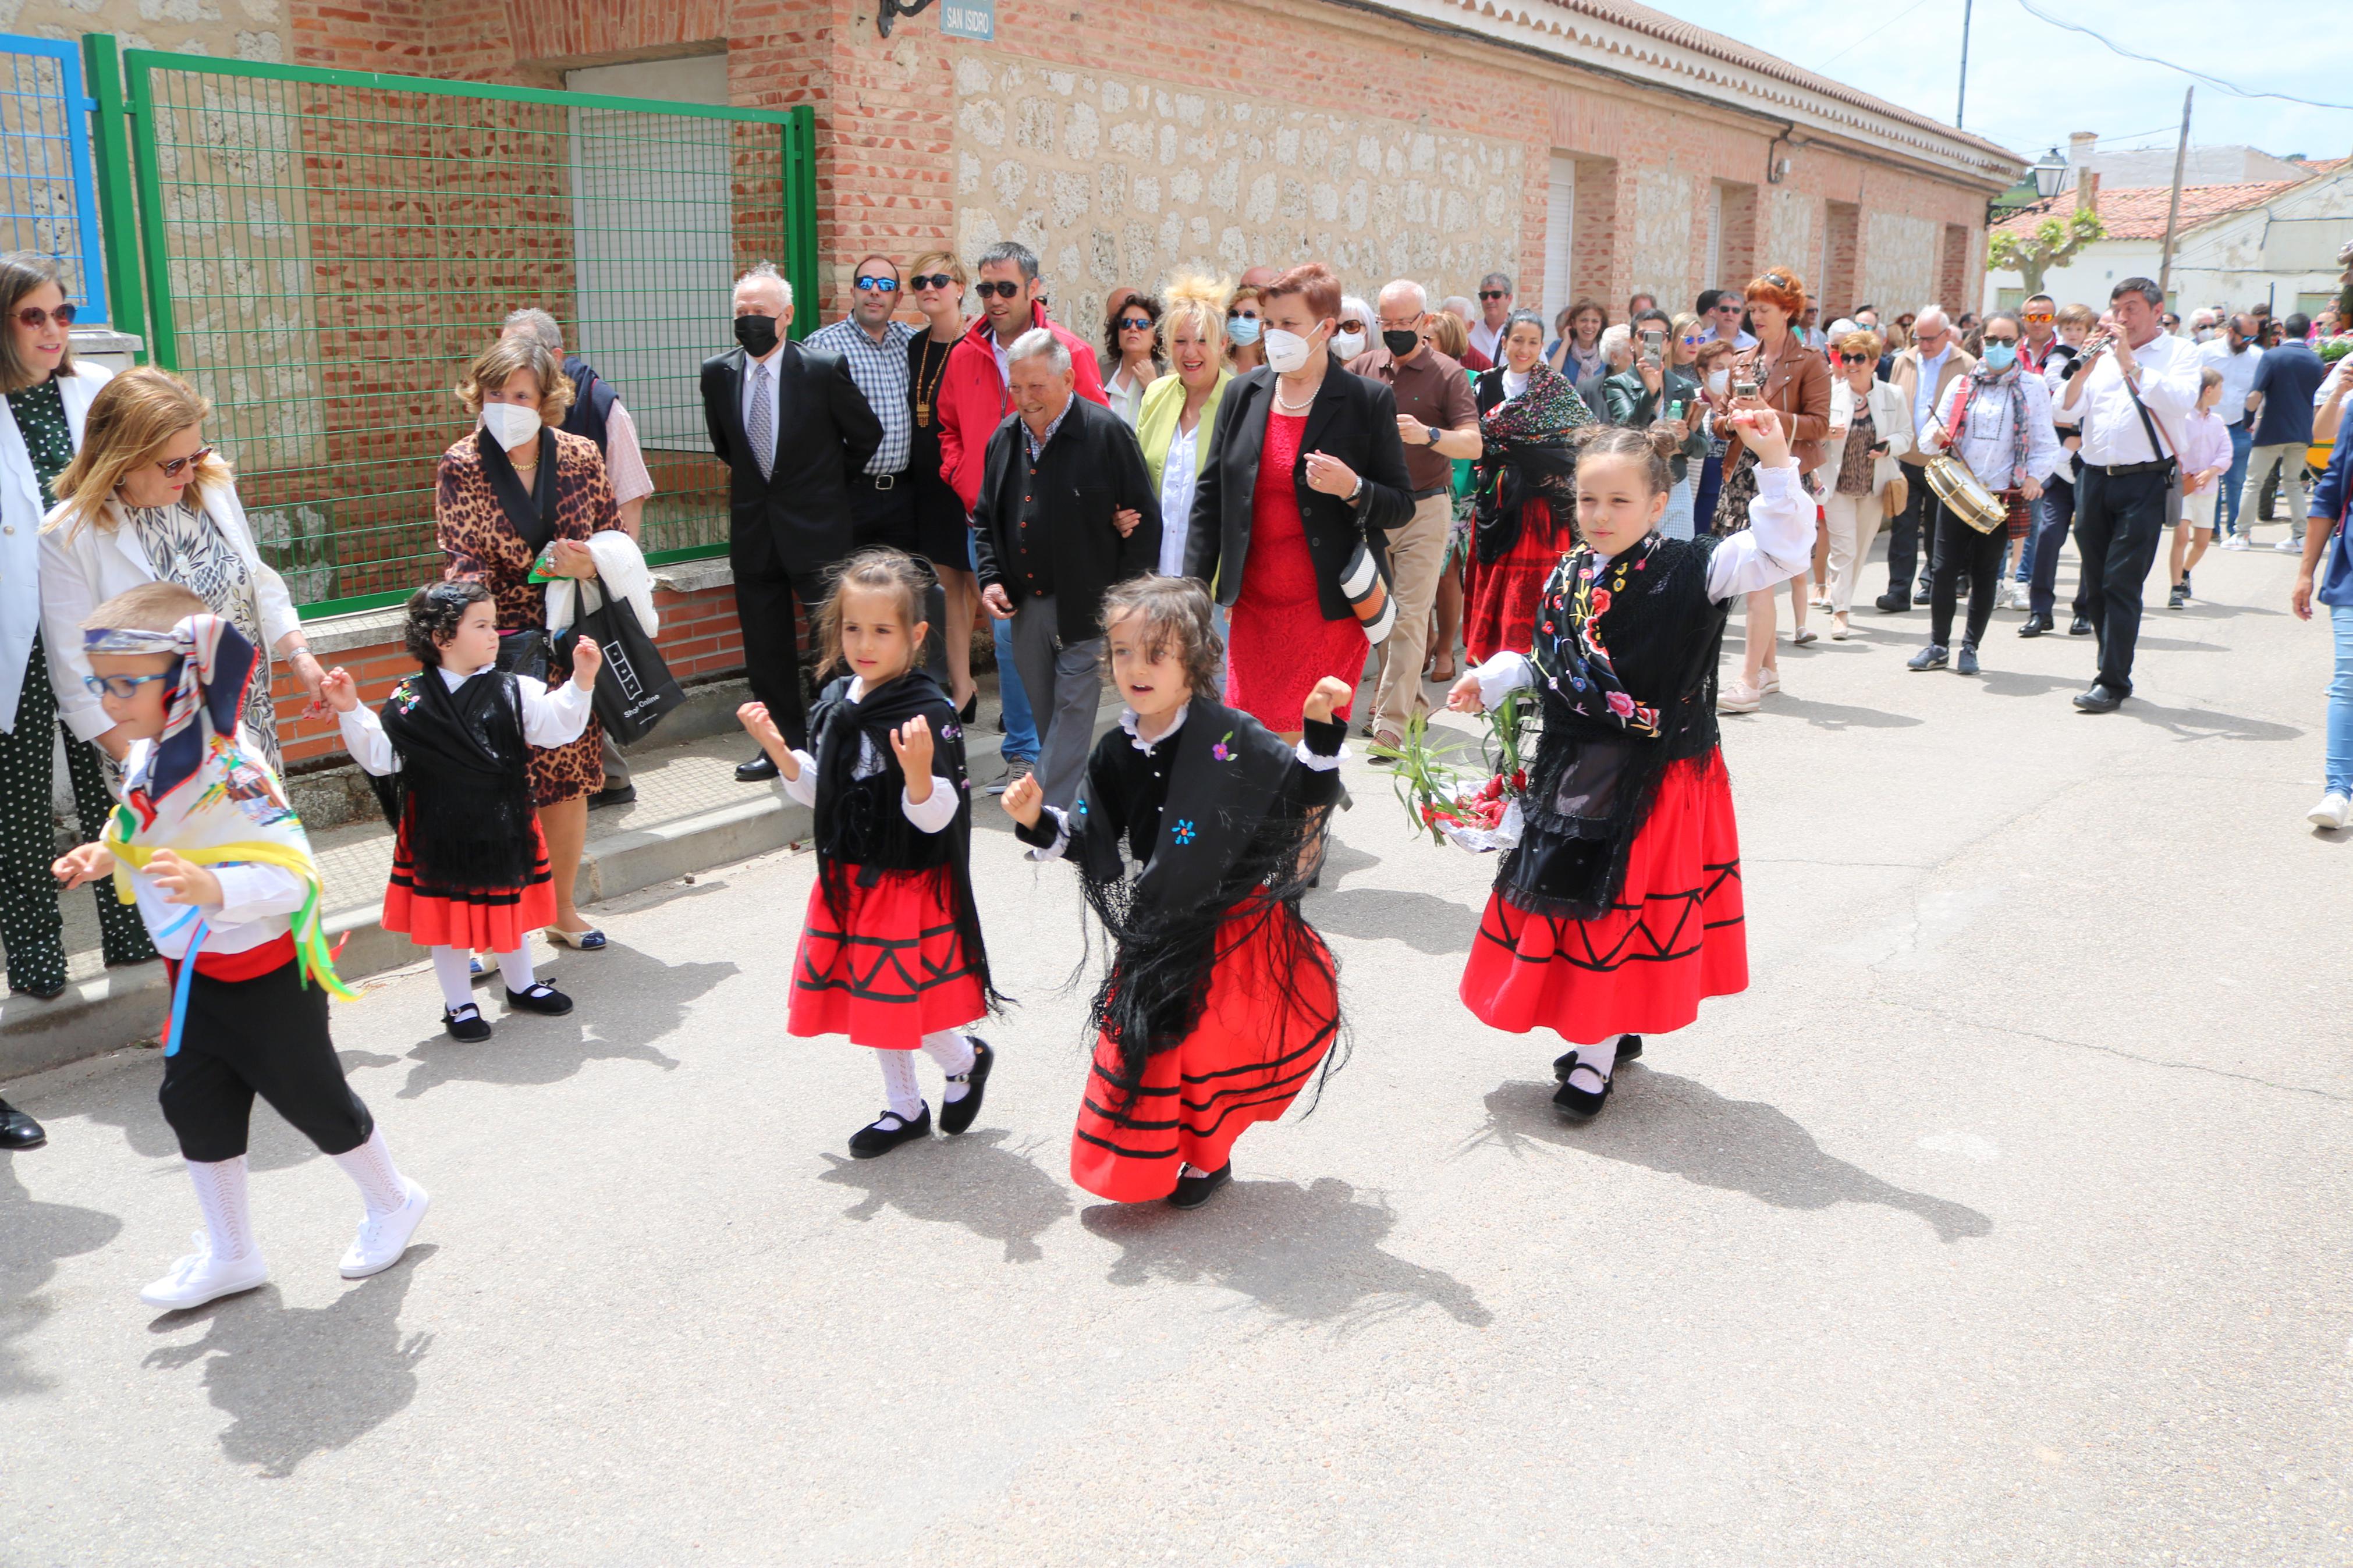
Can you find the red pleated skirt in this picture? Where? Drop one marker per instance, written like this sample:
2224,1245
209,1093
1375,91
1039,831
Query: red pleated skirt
1264,1030
1676,934
1500,608
888,968
499,920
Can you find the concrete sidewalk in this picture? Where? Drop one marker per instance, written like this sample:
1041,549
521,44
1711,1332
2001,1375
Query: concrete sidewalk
689,815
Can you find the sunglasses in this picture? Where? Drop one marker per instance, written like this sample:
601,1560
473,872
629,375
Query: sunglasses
173,468
880,285
1000,290
1136,324
2011,342
1856,359
931,280
2038,315
1492,294
36,318
122,688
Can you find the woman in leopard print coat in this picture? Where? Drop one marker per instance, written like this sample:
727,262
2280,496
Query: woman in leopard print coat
505,494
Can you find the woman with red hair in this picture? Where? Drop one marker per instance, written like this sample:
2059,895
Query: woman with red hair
1794,382
1304,479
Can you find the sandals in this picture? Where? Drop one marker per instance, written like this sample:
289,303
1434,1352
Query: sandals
588,940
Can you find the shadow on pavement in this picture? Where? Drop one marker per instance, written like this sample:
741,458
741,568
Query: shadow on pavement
1423,922
1310,1254
1682,1128
1834,715
971,1180
623,1000
301,1381
33,1238
2205,724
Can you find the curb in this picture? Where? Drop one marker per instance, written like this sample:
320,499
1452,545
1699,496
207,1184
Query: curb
125,1006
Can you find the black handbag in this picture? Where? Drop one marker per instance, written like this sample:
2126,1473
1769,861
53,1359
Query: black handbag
635,687
523,653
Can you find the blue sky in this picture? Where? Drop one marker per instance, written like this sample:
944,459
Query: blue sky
2030,83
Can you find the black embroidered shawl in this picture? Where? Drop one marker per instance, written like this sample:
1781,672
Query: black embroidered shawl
461,790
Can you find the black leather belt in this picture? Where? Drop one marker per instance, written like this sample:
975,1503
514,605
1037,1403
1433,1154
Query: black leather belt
1434,490
2118,470
881,481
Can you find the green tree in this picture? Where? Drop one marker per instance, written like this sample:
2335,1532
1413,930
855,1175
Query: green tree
2053,244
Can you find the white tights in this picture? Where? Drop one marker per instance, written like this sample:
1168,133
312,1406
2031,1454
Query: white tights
452,968
1597,1062
952,1048
228,1212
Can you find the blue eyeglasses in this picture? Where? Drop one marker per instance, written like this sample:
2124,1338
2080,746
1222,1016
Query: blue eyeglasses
880,285
122,688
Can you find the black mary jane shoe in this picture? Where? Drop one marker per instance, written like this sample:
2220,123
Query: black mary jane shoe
759,770
1577,1102
955,1115
465,1024
19,1131
541,998
1192,1192
41,993
1630,1047
875,1139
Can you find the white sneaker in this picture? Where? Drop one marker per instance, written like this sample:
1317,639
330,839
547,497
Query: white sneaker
200,1278
2290,547
2021,595
2236,542
1737,696
381,1239
2333,812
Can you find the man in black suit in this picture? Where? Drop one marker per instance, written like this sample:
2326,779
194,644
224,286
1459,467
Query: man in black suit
792,427
1066,509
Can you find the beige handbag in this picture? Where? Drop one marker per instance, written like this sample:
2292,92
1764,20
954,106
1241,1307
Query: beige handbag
1896,495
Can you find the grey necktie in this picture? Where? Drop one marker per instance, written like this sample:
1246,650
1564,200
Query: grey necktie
761,428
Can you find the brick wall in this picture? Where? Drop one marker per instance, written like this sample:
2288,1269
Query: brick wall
700,640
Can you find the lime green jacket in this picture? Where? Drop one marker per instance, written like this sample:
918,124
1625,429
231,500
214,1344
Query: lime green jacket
1155,423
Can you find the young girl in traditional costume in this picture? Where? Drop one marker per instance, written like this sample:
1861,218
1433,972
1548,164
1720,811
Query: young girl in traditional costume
469,869
216,861
1220,1002
1620,908
890,950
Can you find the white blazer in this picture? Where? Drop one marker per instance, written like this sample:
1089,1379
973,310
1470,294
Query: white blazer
20,534
83,569
1890,420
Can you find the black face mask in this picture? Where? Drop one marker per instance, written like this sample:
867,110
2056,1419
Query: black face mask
756,333
1401,341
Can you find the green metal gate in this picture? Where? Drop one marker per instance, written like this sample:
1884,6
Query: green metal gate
323,250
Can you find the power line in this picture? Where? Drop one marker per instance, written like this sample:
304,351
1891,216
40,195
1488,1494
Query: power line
1874,32
2232,87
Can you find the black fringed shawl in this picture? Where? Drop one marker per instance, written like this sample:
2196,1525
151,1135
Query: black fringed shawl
862,825
1528,449
460,793
1240,820
1625,652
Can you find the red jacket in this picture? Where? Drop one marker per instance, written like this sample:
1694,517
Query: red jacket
973,402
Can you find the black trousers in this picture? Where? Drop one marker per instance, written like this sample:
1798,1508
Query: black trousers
886,515
770,598
1961,551
2119,524
266,1037
1904,539
2054,514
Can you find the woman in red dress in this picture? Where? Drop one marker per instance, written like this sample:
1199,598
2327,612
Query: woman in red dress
1620,909
1523,519
1303,480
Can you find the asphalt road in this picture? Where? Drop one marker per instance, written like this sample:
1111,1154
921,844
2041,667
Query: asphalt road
2004,1219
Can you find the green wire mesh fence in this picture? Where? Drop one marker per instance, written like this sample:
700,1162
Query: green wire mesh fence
325,250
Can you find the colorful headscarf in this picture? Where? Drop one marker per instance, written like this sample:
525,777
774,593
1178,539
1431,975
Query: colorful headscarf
236,814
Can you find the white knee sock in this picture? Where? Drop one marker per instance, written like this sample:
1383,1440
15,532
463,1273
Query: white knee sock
515,968
1597,1061
952,1048
899,1088
220,1194
452,967
369,1167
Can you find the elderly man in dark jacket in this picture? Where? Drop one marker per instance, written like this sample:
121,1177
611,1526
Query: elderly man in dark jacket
1066,509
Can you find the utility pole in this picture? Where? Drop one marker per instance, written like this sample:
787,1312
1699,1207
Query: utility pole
2173,207
1961,104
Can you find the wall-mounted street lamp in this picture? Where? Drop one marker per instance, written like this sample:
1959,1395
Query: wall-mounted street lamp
2050,171
888,12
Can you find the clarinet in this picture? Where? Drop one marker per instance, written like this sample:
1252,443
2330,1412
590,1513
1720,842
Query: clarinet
2093,346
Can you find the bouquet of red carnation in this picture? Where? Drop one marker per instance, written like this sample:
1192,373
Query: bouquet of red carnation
1478,809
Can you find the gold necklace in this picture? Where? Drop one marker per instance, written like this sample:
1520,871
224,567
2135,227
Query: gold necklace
927,381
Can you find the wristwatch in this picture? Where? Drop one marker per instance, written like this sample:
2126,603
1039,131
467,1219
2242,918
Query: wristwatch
1434,433
1357,491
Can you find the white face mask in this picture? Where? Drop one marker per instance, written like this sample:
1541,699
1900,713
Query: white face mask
1349,345
509,423
1285,352
1719,382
